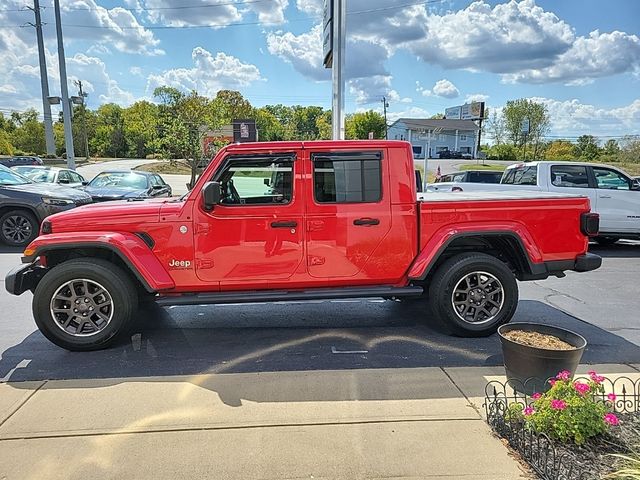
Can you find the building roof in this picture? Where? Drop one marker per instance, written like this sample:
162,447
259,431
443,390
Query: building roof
432,123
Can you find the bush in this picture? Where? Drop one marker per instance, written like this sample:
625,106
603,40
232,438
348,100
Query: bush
154,156
50,155
502,152
570,411
18,153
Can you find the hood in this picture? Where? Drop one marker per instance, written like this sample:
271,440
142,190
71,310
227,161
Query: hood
114,192
49,190
117,215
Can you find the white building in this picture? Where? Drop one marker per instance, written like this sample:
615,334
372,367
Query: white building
430,136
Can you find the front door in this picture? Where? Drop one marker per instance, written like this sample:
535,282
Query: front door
617,204
255,235
348,213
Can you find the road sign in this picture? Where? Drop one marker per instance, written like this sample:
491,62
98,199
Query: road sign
525,126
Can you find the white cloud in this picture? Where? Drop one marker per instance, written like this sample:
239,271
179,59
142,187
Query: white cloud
598,55
476,97
311,7
412,112
209,74
270,12
137,71
95,80
444,88
204,12
372,89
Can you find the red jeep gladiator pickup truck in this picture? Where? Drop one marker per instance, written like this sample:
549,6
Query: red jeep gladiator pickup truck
296,221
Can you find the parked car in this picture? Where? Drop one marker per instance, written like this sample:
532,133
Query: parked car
41,174
123,185
347,223
447,182
613,193
450,154
24,204
21,160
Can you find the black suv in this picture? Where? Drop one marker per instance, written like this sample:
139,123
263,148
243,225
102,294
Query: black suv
24,204
22,160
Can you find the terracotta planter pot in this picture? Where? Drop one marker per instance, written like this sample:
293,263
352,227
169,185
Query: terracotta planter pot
529,368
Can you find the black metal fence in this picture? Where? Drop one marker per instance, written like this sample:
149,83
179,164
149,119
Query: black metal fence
537,448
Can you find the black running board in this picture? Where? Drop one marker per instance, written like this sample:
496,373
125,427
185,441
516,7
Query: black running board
254,296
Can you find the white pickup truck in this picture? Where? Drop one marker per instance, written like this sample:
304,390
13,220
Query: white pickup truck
613,193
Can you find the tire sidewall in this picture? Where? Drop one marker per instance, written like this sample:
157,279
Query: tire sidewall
62,274
453,273
25,214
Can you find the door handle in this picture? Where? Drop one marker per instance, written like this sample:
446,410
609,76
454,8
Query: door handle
605,196
366,221
284,224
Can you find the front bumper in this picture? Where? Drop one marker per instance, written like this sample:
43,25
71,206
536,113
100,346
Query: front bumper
23,278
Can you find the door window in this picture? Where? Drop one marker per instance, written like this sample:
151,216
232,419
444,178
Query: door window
572,176
257,181
76,177
347,177
610,179
522,176
64,177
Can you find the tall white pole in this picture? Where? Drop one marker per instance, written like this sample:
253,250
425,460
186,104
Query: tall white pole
337,69
66,104
44,83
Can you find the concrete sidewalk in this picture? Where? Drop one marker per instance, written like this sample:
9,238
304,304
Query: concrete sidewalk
346,424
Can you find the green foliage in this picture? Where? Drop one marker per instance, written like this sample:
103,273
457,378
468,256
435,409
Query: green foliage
358,125
560,150
514,112
503,152
27,132
587,147
570,411
630,152
6,148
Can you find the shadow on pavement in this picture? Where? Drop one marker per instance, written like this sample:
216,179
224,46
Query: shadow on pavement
244,340
622,249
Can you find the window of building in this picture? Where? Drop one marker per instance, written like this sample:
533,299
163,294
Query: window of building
350,177
610,179
417,150
257,180
572,176
463,138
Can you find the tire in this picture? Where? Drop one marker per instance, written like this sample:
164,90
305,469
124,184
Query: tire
605,241
480,275
18,228
101,322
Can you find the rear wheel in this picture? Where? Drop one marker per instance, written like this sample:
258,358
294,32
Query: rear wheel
472,294
83,304
604,241
18,228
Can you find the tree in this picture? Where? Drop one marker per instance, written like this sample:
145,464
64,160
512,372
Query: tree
109,139
358,125
587,147
503,152
269,128
515,111
437,116
233,106
140,128
496,128
630,151
323,124
6,148
28,134
611,148
561,150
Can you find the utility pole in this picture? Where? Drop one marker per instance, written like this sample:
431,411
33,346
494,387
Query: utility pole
44,81
83,95
384,106
337,69
66,104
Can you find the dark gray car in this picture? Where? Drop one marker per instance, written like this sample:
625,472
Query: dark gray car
24,204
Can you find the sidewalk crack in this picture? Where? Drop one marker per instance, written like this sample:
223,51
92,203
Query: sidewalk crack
471,404
22,403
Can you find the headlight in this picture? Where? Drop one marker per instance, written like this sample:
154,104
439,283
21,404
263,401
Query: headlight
58,202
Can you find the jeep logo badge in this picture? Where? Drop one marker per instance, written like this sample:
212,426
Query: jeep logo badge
179,263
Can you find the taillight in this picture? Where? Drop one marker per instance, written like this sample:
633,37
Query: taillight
590,224
456,189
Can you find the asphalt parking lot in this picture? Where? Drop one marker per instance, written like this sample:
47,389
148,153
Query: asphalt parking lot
329,335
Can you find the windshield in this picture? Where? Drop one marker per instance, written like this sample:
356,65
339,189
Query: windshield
40,175
120,179
8,177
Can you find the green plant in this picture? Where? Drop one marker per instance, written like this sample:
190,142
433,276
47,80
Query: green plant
571,410
630,467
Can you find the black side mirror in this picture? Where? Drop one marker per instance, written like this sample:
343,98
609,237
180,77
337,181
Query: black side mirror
85,183
635,184
267,182
211,195
418,180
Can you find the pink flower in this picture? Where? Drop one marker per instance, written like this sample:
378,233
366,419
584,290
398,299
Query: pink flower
536,396
528,411
564,375
611,419
582,388
595,377
612,397
552,381
558,404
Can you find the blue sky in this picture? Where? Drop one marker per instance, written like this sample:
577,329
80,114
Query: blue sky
579,57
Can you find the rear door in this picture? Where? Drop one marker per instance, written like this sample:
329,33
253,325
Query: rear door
573,179
348,213
617,204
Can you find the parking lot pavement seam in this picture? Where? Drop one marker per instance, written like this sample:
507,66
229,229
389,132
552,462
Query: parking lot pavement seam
35,436
23,403
469,402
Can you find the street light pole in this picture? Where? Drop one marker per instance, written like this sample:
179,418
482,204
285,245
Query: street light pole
64,88
83,95
44,81
337,69
384,106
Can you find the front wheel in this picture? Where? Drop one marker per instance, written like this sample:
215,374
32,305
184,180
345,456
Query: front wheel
18,228
472,294
83,304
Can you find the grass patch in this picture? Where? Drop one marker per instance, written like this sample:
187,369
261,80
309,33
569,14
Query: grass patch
479,166
175,167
